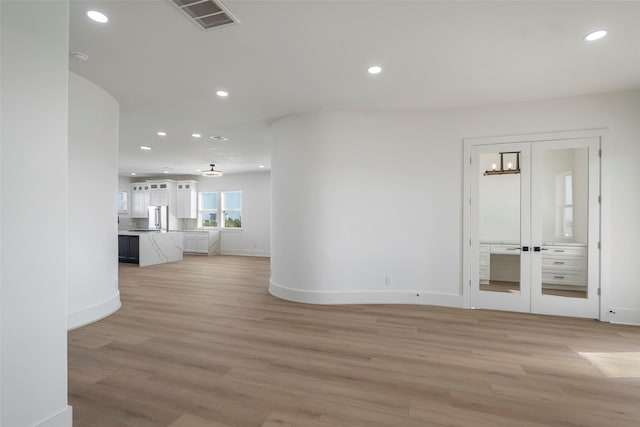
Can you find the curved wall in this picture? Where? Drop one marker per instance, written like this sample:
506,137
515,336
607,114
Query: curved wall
34,75
92,219
355,197
361,196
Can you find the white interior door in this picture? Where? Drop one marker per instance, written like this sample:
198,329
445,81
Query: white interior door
500,229
534,234
565,227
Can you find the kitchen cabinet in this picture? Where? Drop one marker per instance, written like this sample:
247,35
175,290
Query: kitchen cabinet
129,249
196,242
154,193
139,199
159,194
187,199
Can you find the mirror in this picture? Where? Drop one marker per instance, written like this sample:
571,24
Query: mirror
499,226
565,190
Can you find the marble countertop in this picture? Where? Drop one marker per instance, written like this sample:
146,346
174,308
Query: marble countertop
144,233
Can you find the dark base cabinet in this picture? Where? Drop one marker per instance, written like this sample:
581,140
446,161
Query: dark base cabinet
129,249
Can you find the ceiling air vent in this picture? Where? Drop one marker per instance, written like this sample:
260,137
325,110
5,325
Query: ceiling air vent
206,13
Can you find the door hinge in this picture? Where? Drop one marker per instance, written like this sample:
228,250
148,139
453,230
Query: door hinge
470,160
598,245
600,152
469,283
598,291
599,199
469,242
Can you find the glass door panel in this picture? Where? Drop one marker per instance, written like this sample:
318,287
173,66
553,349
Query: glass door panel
565,218
499,212
565,188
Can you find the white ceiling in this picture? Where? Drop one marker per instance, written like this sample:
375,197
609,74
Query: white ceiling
295,56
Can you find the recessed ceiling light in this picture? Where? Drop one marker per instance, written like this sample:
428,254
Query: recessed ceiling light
97,16
145,148
198,170
161,133
196,135
133,174
219,138
261,166
80,56
595,35
374,69
222,93
166,171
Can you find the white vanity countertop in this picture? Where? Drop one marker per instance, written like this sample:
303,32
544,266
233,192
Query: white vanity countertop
507,242
503,242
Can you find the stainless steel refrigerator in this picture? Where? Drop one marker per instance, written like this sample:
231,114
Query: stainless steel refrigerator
159,218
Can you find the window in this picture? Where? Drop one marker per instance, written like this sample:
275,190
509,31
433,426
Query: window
232,209
122,202
207,209
564,205
227,202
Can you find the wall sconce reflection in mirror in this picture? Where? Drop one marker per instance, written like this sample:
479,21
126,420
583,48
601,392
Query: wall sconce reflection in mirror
513,155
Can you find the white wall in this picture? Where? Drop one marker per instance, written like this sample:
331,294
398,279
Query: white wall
255,237
358,196
33,214
93,184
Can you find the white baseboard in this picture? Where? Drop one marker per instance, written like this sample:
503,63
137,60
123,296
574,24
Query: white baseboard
63,418
624,316
95,312
244,252
365,297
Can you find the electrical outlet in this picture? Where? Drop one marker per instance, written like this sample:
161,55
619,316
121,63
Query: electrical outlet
387,280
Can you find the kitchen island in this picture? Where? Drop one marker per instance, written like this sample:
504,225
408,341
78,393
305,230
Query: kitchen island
150,247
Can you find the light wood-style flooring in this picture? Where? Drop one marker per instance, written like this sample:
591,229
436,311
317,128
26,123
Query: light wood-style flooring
201,343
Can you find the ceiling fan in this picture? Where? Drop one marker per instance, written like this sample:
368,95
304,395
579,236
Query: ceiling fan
212,172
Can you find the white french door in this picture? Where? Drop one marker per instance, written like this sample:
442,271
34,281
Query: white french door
534,226
500,227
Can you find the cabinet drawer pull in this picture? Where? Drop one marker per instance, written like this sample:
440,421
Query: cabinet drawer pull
558,250
558,262
558,277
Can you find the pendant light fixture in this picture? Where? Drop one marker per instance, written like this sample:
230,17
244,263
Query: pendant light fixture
509,169
212,172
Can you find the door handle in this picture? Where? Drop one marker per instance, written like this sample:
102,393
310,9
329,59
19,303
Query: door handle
525,249
536,248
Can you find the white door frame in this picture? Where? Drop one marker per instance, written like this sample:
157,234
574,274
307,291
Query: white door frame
605,207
